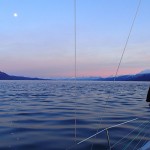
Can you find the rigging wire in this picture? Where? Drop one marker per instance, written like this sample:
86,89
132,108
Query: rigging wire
107,129
129,143
122,55
75,72
125,148
135,147
127,40
118,67
75,77
123,52
118,142
145,141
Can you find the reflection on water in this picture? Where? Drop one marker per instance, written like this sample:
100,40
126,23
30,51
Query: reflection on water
40,114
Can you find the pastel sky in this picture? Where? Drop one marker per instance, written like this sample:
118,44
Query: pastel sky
37,37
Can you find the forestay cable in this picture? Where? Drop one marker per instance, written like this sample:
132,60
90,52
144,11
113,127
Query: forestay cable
120,61
124,49
127,40
123,52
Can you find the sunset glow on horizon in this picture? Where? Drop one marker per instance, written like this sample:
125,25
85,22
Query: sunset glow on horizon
40,42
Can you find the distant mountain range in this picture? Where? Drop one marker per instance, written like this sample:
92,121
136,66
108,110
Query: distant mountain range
142,76
145,71
4,76
137,77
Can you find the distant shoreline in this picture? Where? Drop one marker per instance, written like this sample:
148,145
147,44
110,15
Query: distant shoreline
136,77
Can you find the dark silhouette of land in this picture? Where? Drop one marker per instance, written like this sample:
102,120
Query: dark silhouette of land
136,77
4,76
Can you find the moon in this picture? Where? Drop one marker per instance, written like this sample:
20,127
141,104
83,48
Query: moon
15,14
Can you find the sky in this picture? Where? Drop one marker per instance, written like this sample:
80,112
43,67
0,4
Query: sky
37,37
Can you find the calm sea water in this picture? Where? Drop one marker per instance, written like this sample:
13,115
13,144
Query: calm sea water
40,115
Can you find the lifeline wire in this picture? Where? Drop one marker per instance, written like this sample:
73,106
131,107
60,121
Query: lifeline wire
140,141
127,135
125,148
144,142
107,129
